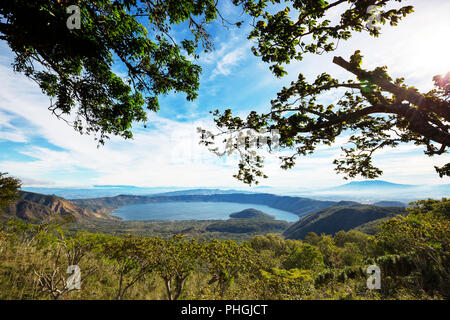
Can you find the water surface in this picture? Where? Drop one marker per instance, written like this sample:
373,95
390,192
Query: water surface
181,210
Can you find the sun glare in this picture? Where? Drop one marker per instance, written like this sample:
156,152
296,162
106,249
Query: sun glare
428,47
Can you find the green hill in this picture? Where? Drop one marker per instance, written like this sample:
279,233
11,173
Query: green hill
334,219
251,214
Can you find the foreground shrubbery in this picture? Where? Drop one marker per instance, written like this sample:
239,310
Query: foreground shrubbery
413,253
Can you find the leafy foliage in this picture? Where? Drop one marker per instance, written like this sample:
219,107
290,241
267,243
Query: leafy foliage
378,110
75,67
305,26
9,189
306,257
176,259
419,245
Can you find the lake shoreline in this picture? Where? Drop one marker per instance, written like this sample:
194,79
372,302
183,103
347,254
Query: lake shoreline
193,210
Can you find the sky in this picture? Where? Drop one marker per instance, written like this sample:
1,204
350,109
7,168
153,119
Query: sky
44,151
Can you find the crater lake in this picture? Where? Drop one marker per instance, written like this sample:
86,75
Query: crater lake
181,210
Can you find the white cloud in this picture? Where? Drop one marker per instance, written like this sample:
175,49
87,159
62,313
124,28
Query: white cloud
13,136
5,120
228,61
233,49
8,132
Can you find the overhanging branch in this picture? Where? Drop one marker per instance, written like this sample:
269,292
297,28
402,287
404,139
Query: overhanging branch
426,104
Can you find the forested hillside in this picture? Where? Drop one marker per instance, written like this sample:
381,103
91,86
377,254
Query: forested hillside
412,252
337,218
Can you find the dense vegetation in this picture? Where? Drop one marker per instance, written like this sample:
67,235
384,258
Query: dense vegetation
206,229
248,226
412,251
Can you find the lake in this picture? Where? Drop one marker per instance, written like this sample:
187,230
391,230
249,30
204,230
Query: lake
194,211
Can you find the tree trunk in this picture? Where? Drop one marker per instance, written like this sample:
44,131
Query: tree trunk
180,286
168,289
119,293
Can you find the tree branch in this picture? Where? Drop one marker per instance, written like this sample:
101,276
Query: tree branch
426,104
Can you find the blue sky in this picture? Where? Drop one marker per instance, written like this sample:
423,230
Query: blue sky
44,151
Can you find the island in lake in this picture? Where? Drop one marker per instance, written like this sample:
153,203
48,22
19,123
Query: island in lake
251,214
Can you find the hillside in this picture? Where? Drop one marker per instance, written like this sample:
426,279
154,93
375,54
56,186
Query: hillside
36,207
251,214
334,219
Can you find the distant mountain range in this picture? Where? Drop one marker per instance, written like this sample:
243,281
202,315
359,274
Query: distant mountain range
371,184
368,191
199,192
373,191
99,191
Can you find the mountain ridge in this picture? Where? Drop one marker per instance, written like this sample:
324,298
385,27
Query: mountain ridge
333,219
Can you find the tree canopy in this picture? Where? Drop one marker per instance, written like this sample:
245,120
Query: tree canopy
377,110
9,189
75,67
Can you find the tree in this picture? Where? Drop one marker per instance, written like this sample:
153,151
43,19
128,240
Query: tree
74,67
352,236
272,242
312,238
176,259
53,280
225,261
9,189
418,246
379,111
284,284
306,257
133,259
330,252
